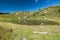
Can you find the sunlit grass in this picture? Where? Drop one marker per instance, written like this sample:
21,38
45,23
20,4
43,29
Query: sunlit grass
11,29
20,31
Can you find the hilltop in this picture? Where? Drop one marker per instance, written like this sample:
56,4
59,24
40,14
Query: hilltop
48,15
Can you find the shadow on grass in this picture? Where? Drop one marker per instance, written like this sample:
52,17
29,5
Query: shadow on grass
34,22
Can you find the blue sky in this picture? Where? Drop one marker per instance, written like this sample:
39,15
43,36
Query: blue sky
26,5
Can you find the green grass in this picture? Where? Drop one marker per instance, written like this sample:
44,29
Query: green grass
11,29
19,31
31,20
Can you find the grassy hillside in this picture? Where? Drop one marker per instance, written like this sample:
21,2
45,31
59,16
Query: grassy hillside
17,25
50,15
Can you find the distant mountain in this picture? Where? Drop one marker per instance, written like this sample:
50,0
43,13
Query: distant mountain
4,13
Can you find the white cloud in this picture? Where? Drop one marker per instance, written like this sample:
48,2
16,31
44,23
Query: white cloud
36,1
